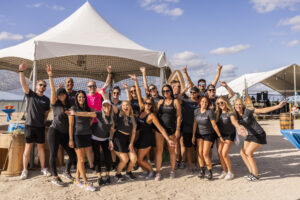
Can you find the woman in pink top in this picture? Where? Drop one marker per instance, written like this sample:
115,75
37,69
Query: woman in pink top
94,100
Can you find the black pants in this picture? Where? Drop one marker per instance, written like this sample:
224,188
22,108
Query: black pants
56,138
107,154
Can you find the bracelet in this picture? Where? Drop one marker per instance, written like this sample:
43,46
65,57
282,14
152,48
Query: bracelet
20,71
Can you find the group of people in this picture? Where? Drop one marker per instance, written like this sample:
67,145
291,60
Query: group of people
126,131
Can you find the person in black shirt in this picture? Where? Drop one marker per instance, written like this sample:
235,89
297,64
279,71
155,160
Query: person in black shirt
80,138
37,113
169,115
146,139
211,93
227,123
132,98
69,84
204,118
116,92
256,134
58,130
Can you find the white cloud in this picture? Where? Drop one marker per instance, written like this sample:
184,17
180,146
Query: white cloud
57,7
294,22
228,72
265,6
230,50
162,7
292,43
196,63
42,4
30,35
10,36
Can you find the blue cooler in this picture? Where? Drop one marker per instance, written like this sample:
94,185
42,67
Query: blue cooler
16,127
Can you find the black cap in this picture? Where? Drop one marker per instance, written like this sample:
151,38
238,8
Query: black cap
61,91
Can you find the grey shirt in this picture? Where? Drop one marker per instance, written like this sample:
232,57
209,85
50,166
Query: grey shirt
203,121
225,125
60,120
103,128
250,123
37,106
81,124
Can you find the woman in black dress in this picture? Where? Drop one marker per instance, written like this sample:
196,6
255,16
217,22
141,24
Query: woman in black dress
256,134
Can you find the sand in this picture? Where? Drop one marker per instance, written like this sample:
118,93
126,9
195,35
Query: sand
278,164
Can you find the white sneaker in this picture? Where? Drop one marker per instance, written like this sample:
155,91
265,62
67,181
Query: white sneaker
144,174
172,175
45,172
157,177
229,176
222,175
24,174
89,187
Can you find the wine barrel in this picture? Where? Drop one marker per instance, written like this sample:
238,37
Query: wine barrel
286,121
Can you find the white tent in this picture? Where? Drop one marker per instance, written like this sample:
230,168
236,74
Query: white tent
82,45
284,80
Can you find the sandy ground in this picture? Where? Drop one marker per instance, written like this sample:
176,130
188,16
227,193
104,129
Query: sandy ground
278,164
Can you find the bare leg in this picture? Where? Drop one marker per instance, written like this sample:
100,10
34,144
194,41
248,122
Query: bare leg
200,152
123,161
172,153
206,150
189,156
133,159
81,152
26,154
41,153
244,157
90,156
141,162
220,149
226,147
182,150
249,153
159,150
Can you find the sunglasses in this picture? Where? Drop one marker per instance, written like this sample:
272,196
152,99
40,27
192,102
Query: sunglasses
117,93
152,89
211,90
43,85
201,84
148,103
166,91
132,91
220,103
92,86
193,92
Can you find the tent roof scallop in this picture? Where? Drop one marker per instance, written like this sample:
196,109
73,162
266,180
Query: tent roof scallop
83,45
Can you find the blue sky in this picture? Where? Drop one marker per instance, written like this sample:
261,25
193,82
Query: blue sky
243,35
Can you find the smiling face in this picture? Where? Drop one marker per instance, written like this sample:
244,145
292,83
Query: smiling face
176,88
81,99
211,91
41,86
153,91
69,84
106,107
194,94
238,105
62,97
132,91
202,85
204,103
125,107
148,105
92,87
221,104
116,94
166,92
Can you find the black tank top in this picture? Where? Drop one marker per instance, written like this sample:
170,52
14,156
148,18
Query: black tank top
144,127
167,116
121,126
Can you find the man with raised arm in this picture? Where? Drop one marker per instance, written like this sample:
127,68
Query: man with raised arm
37,113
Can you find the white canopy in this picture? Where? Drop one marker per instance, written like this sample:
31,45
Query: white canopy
85,33
280,80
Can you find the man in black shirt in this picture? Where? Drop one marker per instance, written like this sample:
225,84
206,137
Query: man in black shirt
69,84
37,113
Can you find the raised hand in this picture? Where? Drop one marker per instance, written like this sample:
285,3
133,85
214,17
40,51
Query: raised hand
124,85
49,70
223,83
23,66
219,66
108,69
282,103
143,70
184,69
132,76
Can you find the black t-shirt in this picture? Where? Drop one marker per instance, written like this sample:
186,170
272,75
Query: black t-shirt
187,110
103,128
37,106
213,101
60,120
225,125
249,122
118,105
120,123
72,96
204,121
81,124
156,99
201,94
135,107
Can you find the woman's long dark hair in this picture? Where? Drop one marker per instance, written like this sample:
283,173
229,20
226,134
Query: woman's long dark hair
153,107
85,105
170,88
208,101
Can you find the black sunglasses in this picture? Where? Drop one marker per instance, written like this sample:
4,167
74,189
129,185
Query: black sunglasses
117,93
132,91
211,90
149,104
193,92
152,89
43,85
166,91
220,103
92,86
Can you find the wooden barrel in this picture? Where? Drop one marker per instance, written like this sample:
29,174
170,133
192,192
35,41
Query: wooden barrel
15,156
286,121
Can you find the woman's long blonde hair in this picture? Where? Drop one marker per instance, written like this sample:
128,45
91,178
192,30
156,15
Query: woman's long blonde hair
131,115
242,102
228,106
112,115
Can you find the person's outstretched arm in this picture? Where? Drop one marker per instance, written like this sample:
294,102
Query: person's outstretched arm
143,70
127,91
50,75
22,68
187,77
216,79
138,91
269,109
108,79
229,90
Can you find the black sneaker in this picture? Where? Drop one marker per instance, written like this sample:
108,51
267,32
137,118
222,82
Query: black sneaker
107,180
209,175
177,165
68,176
202,172
100,181
119,178
130,176
136,167
254,178
248,177
57,181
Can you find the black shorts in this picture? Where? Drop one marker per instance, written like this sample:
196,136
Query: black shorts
121,142
207,137
170,131
145,140
187,139
230,137
82,141
34,134
259,138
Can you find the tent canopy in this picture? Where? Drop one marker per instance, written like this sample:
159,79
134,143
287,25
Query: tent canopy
280,80
83,45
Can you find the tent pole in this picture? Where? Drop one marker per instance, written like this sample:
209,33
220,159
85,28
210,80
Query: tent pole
295,89
34,79
162,77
